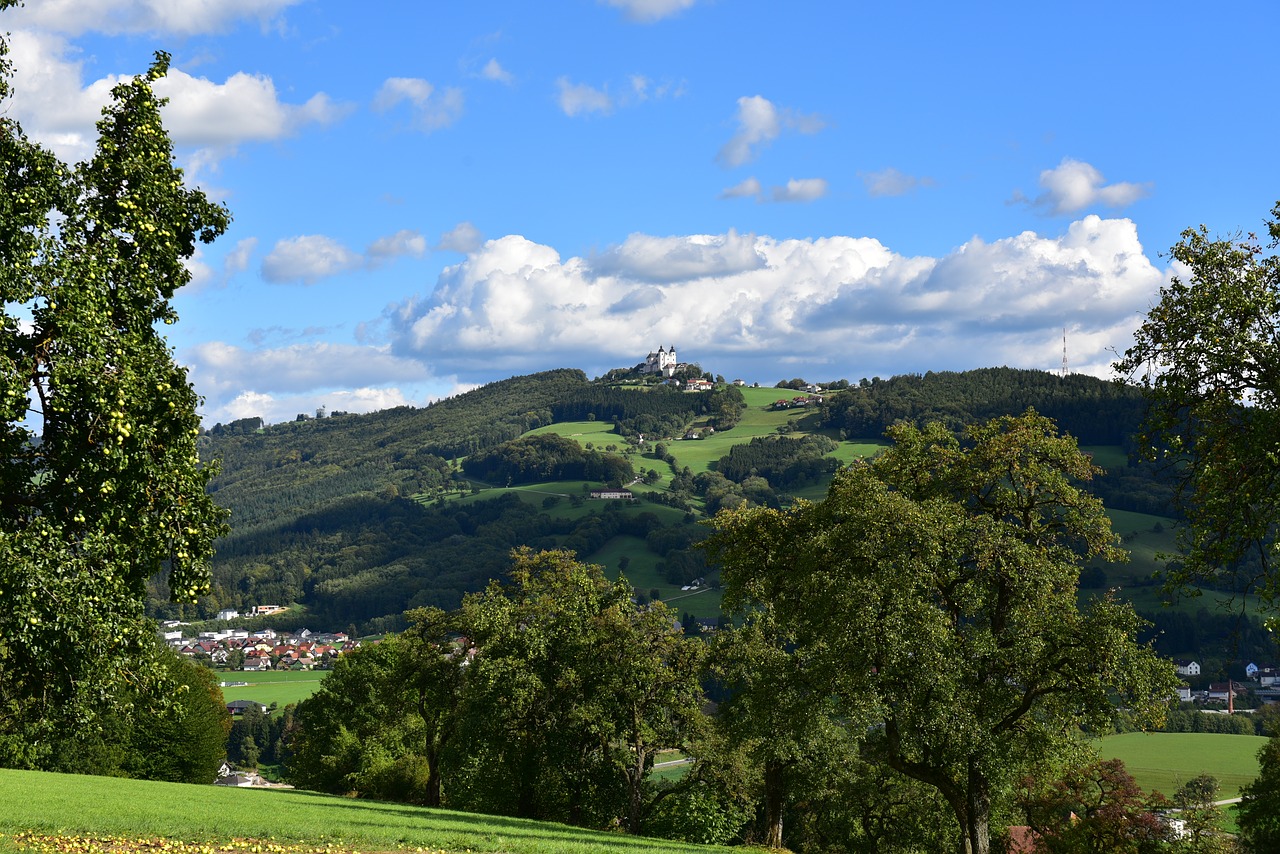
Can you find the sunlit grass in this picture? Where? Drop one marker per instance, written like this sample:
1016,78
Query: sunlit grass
72,814
1164,761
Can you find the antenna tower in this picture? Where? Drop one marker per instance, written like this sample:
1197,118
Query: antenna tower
1064,370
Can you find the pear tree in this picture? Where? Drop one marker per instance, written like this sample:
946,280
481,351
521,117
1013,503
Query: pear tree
101,486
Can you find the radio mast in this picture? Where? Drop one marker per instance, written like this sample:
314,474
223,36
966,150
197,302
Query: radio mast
1064,370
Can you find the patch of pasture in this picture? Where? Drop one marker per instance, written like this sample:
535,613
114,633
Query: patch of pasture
1164,761
279,687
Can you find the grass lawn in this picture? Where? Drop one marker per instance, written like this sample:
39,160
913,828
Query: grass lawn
279,687
1164,761
272,821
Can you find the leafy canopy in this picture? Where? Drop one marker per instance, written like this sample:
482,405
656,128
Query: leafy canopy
1208,358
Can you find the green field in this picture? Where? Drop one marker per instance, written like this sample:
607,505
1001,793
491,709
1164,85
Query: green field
279,687
1165,760
216,815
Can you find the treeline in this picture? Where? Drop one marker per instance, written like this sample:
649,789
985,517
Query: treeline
786,462
1094,411
547,457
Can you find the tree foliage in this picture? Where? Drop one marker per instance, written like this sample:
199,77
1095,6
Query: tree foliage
1259,811
547,698
99,475
1208,359
1096,807
936,584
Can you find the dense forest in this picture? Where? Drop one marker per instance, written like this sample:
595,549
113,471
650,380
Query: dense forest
1095,412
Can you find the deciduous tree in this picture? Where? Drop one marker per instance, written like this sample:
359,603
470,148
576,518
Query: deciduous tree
100,484
1208,358
936,588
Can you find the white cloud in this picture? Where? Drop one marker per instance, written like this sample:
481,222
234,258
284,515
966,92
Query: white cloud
308,259
648,11
893,182
750,188
278,383
672,259
760,122
117,17
463,237
431,110
403,242
209,119
237,260
1075,185
494,71
800,190
748,304
312,257
580,99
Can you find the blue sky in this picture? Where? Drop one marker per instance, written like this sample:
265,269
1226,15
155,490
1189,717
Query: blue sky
429,196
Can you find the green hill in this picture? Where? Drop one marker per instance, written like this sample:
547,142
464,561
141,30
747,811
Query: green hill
354,518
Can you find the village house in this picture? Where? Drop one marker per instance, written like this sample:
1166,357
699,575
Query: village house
613,494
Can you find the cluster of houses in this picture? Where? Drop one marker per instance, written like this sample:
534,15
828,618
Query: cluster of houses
1265,683
797,402
265,649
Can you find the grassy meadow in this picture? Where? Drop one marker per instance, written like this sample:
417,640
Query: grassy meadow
136,814
1164,761
267,687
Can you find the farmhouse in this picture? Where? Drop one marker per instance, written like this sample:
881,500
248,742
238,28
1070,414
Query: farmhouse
615,494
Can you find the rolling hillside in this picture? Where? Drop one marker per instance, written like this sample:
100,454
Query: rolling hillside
353,518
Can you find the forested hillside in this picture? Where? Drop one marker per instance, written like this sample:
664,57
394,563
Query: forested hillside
1094,411
358,517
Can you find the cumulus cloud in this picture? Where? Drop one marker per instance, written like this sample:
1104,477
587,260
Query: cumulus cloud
892,182
579,99
311,257
463,237
671,259
800,190
760,122
750,188
1074,185
208,118
277,383
237,260
308,259
494,71
430,110
403,242
118,17
648,11
746,304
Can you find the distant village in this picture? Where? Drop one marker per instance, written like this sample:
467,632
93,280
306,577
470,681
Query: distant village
265,649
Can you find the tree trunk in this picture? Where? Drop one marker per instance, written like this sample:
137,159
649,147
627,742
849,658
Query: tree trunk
635,784
435,788
977,824
774,794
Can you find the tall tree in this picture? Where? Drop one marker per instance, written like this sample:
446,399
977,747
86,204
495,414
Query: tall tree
100,484
1208,358
433,669
936,589
573,690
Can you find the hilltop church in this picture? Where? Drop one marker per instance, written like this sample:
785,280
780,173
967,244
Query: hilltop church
662,362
